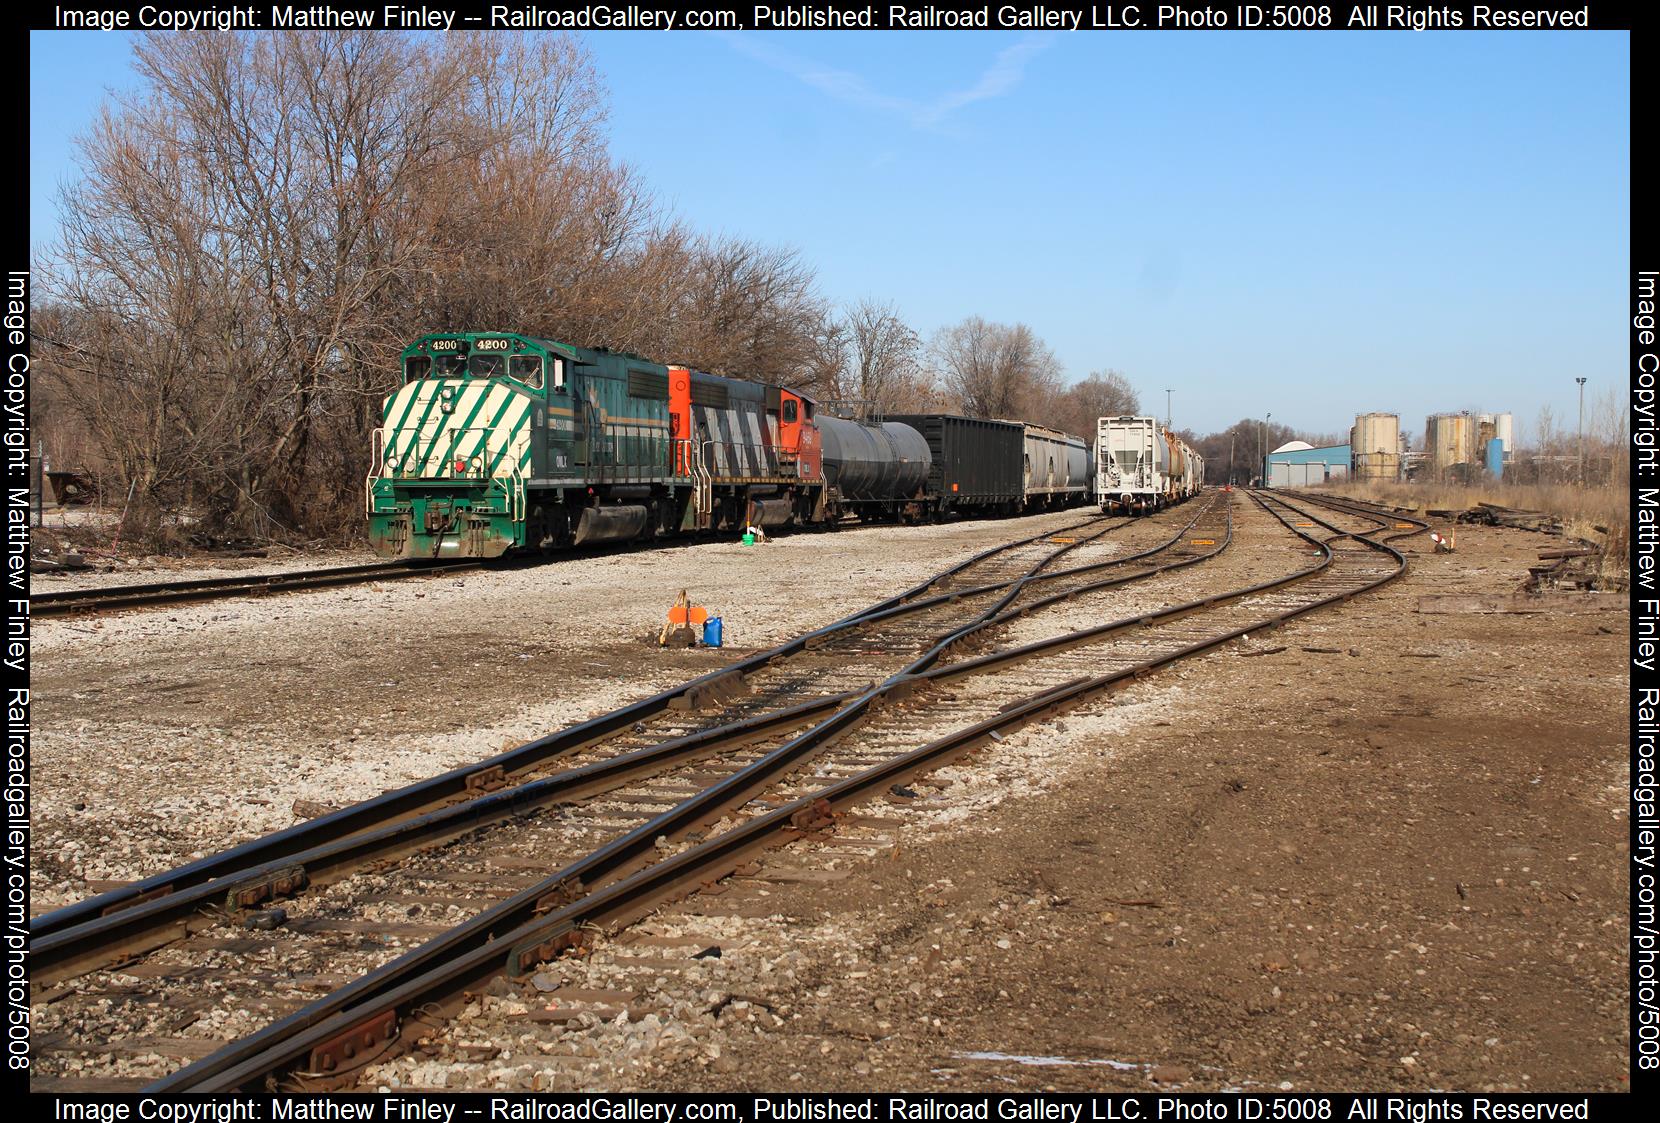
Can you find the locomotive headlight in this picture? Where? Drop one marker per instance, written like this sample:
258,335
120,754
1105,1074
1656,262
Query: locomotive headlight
478,464
391,463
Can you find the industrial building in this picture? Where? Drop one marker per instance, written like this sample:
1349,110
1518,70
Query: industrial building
1460,444
1300,464
1456,445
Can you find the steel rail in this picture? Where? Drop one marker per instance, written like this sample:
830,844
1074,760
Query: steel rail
102,941
1376,506
626,853
423,795
149,923
442,969
1090,635
114,597
1381,516
208,588
1365,509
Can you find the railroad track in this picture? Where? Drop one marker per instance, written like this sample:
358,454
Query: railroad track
708,703
675,849
1366,509
115,597
674,840
201,896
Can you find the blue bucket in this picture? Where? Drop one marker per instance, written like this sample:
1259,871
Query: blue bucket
711,632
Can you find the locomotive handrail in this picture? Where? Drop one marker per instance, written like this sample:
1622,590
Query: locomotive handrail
455,435
680,458
377,463
705,492
516,501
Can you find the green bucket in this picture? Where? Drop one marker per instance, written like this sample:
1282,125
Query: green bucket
749,540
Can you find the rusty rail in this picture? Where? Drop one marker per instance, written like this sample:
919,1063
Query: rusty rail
551,917
162,907
149,922
114,597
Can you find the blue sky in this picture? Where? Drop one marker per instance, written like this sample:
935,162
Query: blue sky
1310,224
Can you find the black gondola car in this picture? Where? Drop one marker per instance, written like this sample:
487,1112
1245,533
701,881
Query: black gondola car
977,466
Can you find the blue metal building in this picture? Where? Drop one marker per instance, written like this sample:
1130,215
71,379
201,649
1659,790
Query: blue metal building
1299,464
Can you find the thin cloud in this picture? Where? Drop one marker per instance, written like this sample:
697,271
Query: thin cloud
998,79
1002,76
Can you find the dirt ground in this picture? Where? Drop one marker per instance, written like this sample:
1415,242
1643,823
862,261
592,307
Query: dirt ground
1399,866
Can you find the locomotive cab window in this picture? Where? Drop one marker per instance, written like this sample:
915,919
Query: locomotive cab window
526,369
416,367
486,366
789,411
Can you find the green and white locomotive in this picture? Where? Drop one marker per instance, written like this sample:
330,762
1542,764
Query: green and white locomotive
499,442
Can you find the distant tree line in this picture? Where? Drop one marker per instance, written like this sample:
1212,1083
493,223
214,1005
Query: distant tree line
1235,454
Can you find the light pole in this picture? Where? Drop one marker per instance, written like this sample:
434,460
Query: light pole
1167,409
1581,382
1262,450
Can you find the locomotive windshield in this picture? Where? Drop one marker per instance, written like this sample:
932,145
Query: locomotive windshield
485,358
527,369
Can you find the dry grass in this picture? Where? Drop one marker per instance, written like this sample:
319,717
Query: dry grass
1600,515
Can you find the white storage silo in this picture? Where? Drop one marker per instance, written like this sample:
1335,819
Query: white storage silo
1504,428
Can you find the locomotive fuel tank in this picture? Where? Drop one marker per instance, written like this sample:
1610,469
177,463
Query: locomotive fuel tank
615,523
770,512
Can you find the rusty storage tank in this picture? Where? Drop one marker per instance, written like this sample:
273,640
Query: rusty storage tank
1448,440
1375,444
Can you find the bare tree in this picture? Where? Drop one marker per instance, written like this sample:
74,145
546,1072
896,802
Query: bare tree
747,309
263,227
1607,434
550,235
1548,447
1104,393
886,358
1234,453
227,246
995,370
825,372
